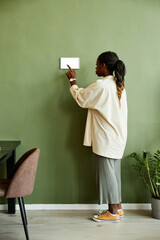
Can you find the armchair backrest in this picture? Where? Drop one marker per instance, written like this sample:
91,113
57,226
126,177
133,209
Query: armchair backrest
23,175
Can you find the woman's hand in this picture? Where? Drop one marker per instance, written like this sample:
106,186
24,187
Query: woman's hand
71,73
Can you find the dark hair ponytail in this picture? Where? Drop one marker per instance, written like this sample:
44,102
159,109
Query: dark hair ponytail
114,65
120,72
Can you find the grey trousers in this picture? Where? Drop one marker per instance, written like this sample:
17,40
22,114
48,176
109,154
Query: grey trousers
108,179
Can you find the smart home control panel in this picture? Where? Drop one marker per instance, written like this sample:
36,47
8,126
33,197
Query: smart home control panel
72,62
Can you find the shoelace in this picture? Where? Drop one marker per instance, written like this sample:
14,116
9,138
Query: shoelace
106,213
103,213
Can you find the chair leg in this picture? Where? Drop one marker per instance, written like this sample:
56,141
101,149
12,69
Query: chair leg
24,210
23,216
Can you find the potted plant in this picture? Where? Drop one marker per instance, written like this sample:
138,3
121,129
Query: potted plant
148,168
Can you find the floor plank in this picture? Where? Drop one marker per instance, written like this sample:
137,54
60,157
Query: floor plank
76,225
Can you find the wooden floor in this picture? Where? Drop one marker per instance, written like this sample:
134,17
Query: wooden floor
75,225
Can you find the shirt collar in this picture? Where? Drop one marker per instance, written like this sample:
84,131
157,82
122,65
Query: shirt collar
109,77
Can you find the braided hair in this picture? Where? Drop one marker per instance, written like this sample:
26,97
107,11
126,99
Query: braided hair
114,64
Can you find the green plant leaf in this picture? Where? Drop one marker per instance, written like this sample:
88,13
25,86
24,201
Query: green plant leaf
148,168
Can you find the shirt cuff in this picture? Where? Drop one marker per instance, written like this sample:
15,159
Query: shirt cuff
74,86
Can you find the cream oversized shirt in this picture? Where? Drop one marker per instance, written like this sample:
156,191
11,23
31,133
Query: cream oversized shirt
106,125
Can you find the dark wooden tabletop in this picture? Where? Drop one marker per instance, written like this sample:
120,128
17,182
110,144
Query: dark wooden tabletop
6,148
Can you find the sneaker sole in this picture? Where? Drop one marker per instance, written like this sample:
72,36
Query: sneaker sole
99,212
99,220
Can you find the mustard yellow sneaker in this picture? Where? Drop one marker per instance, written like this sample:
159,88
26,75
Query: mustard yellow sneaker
102,212
108,217
120,212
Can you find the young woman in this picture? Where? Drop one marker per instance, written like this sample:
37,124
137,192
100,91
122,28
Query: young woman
106,128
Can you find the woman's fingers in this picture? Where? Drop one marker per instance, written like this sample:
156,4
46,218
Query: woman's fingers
68,74
71,73
69,67
72,70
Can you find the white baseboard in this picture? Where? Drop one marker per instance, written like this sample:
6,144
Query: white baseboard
126,206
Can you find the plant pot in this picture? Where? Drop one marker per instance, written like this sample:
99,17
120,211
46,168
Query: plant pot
156,208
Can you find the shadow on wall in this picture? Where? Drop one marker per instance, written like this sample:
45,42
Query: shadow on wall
146,138
67,164
2,175
133,188
82,156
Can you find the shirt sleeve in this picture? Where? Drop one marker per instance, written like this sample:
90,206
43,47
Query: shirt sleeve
91,97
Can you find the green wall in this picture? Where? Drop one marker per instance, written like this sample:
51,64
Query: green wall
36,106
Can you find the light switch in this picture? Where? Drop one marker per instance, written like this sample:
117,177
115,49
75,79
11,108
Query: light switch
72,62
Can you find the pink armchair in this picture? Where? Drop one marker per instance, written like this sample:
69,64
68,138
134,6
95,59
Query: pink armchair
21,182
